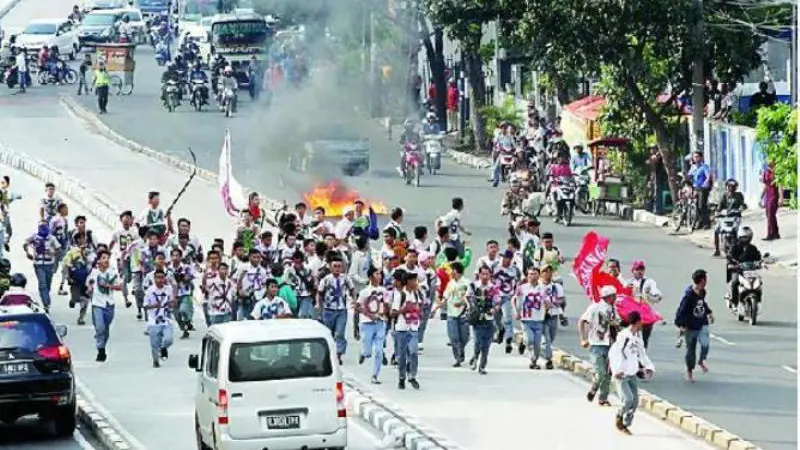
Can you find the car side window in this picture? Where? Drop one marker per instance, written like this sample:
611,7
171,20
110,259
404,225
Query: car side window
212,359
66,27
203,347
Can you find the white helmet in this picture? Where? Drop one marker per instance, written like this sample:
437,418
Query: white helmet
607,291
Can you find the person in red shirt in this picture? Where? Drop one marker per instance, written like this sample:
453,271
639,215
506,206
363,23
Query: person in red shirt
431,91
452,105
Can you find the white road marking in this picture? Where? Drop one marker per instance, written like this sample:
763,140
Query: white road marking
790,369
722,339
81,441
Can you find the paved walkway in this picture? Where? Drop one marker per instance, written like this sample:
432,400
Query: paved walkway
154,406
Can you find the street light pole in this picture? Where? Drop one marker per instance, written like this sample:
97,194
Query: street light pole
698,80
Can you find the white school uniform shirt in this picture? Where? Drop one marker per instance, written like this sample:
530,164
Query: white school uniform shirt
254,280
372,300
124,239
101,296
220,295
486,261
553,293
407,321
270,308
161,296
452,220
599,316
530,303
645,288
627,352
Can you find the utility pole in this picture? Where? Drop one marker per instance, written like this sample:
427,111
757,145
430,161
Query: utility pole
698,80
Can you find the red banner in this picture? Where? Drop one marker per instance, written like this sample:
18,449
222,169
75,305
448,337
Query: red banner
590,259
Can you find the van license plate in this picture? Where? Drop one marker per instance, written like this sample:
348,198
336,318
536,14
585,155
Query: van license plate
283,422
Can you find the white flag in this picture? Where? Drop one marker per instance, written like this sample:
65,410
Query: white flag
233,198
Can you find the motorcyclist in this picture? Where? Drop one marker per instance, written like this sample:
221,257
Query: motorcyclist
409,133
229,82
504,144
513,197
125,30
579,159
197,73
171,74
431,125
742,252
217,66
732,200
76,16
557,172
180,64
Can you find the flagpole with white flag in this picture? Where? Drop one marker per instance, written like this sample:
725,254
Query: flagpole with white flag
232,193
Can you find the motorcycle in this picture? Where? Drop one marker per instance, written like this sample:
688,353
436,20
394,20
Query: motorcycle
433,152
227,101
65,74
507,159
199,94
10,77
162,53
412,163
564,197
172,101
750,290
582,197
728,225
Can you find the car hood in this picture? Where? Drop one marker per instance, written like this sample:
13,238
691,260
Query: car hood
83,29
33,39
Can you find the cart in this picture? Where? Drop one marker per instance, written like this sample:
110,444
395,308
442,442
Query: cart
119,58
608,184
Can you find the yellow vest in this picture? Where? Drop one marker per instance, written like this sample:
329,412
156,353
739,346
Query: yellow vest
101,78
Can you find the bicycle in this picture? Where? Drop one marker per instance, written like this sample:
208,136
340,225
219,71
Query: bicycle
686,212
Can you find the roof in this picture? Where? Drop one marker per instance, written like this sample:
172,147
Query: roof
270,330
610,142
587,108
237,16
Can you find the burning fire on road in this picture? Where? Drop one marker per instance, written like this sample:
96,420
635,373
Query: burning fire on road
335,197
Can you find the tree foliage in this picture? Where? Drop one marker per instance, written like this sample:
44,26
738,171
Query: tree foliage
777,132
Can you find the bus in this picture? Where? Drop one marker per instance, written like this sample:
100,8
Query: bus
240,36
194,10
152,8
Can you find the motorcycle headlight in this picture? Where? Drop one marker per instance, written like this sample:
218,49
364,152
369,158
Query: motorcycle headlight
746,283
755,283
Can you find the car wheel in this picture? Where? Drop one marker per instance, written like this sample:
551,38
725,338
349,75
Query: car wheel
65,420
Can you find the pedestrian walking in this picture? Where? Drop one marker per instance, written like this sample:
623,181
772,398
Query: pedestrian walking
625,356
77,268
271,306
83,74
771,202
333,295
484,304
694,317
455,301
407,309
596,330
21,61
374,306
530,307
42,248
553,295
102,282
100,85
221,289
159,303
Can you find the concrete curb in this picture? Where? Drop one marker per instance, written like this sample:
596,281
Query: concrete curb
400,428
88,414
662,409
97,125
646,217
465,159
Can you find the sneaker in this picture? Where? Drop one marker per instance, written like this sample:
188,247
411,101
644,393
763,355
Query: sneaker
703,366
533,366
401,384
456,364
384,361
374,380
72,304
414,384
190,326
620,425
361,359
394,360
156,364
716,253
604,403
61,291
590,396
689,376
185,334
521,349
81,322
341,361
508,348
549,365
482,372
101,355
164,353
472,364
138,316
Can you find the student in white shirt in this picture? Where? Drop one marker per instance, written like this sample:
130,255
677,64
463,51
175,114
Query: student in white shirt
407,309
271,306
452,220
159,302
250,284
596,329
553,294
334,293
374,310
102,281
221,295
624,358
529,308
644,290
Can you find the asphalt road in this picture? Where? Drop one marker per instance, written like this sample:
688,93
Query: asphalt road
156,407
752,385
29,434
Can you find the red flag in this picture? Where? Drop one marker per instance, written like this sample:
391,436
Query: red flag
626,304
589,259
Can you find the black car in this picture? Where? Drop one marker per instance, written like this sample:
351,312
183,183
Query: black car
36,375
332,145
99,26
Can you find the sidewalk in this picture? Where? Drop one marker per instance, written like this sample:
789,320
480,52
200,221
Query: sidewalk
477,412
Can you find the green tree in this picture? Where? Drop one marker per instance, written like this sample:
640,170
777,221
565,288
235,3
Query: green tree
777,132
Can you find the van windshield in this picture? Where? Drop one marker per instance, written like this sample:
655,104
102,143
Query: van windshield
280,360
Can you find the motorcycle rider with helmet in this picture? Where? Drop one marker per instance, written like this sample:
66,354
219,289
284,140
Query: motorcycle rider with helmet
217,66
410,134
557,170
742,252
229,82
732,200
16,294
579,159
197,73
431,125
171,74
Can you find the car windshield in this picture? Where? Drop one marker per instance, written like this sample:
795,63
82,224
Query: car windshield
280,360
27,332
205,22
99,19
133,16
194,18
40,28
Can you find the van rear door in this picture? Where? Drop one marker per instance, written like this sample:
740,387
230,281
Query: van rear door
282,388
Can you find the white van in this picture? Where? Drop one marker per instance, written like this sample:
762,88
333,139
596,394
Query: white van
269,384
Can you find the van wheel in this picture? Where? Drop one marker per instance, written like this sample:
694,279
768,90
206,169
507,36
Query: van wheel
200,444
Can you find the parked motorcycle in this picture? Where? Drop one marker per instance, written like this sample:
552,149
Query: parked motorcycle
412,163
750,291
729,222
433,152
564,197
199,94
172,100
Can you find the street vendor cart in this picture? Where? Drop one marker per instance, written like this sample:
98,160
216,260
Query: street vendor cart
119,59
608,184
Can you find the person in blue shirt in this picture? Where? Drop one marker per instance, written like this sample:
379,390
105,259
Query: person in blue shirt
693,317
701,181
197,73
579,159
431,125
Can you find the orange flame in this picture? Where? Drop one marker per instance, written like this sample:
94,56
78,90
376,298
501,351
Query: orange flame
335,197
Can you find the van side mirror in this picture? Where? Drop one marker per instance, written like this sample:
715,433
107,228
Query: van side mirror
194,362
61,330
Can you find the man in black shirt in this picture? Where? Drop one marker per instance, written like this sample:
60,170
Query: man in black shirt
83,71
732,200
762,97
743,252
